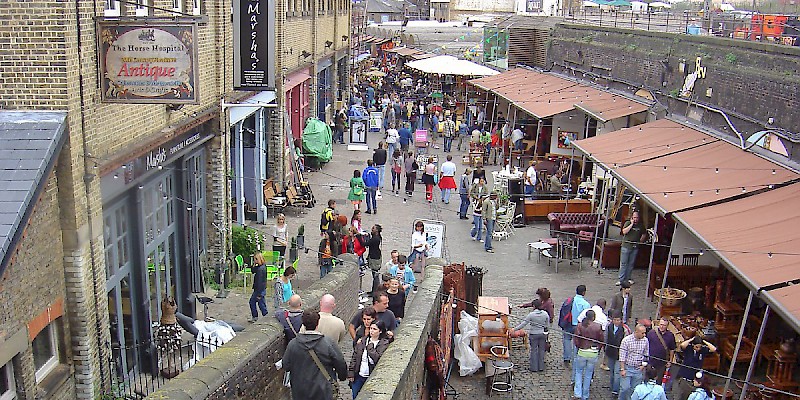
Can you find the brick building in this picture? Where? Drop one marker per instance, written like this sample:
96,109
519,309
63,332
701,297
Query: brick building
123,208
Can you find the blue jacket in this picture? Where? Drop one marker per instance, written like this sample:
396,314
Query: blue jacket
405,136
408,276
578,305
370,176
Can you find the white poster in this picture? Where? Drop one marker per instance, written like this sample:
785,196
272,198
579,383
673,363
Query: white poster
434,231
375,121
358,130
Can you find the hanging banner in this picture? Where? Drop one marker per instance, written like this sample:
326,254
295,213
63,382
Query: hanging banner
147,63
254,44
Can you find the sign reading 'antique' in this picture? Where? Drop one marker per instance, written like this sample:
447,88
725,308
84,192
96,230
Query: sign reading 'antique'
153,63
253,44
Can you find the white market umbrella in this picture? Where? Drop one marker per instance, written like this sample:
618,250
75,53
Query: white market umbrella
449,65
587,3
726,7
660,4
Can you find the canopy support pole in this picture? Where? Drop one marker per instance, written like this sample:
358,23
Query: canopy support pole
752,365
652,255
666,273
539,125
738,343
597,228
605,223
569,180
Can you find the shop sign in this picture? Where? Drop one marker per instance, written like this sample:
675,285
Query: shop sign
254,44
148,62
162,155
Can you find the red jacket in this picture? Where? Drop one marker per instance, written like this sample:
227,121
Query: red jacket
358,247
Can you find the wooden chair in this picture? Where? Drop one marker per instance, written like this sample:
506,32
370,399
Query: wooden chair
271,201
292,200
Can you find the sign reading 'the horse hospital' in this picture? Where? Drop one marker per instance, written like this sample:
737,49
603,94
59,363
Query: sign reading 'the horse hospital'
153,63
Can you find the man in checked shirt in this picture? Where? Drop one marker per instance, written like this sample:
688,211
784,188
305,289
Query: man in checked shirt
633,355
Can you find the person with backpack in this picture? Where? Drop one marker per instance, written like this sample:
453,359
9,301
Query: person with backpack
568,321
328,217
463,192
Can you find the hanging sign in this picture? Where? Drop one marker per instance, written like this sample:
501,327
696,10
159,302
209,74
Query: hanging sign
254,44
148,63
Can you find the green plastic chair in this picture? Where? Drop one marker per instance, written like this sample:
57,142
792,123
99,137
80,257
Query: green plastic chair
273,272
243,268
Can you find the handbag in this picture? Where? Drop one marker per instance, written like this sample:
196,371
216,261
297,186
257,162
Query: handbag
358,190
324,373
547,346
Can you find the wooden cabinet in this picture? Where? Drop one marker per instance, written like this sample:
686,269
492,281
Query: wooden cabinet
538,209
492,325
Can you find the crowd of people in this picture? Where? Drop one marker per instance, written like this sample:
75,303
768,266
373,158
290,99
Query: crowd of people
639,360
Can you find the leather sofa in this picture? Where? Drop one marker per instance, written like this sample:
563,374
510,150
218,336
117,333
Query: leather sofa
574,222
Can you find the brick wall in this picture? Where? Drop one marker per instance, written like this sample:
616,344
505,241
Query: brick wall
244,368
34,281
752,81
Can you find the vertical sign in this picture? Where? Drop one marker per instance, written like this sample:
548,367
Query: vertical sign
254,44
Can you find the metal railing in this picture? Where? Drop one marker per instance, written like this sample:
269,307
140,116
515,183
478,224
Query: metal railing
142,368
770,28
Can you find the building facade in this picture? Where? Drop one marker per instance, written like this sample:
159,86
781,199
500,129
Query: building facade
136,208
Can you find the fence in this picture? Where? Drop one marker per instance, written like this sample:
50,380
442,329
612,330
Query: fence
771,28
141,368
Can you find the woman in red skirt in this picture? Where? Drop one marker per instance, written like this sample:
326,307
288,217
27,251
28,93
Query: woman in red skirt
428,178
447,181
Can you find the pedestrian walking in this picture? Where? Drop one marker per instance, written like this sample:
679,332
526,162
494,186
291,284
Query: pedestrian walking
374,258
313,361
403,273
536,325
392,138
397,299
397,169
405,139
411,167
355,220
259,270
419,247
358,330
447,180
367,352
615,332
327,250
291,318
371,178
328,217
662,347
331,326
448,133
547,302
463,192
489,215
623,301
479,193
588,340
357,189
429,179
632,233
633,352
379,158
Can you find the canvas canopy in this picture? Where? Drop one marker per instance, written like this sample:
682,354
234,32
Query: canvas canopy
449,65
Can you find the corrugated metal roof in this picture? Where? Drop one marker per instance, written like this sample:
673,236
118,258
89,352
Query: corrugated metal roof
29,145
544,95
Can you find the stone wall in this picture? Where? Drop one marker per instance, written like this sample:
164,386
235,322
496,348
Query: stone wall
245,367
400,374
751,81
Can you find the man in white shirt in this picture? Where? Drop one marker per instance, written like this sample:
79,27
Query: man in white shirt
530,179
599,315
392,136
516,137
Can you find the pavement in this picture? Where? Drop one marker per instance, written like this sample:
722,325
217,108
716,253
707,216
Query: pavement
509,272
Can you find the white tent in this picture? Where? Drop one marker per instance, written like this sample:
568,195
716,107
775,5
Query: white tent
726,7
638,6
660,4
587,3
449,65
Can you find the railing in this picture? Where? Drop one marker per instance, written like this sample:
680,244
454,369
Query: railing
141,368
753,27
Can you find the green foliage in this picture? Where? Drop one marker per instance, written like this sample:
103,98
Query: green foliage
675,92
245,241
730,58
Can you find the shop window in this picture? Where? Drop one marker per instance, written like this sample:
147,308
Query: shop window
112,8
177,5
196,7
142,8
7,387
45,351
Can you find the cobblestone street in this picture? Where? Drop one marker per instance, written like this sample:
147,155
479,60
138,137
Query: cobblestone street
509,272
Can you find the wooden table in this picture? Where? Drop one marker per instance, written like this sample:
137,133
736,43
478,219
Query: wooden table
729,317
